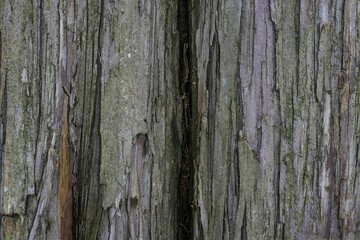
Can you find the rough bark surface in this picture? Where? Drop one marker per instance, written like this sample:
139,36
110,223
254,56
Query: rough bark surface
278,118
188,119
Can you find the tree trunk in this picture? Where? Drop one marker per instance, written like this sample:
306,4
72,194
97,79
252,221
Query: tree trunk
185,119
278,113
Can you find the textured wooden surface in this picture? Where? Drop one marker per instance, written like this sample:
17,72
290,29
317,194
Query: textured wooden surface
278,108
154,119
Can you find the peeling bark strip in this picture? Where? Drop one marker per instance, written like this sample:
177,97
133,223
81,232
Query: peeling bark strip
65,187
188,119
139,201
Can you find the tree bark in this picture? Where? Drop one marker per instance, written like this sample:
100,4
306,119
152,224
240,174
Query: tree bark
179,119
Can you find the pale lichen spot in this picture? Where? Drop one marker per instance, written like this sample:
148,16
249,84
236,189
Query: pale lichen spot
24,78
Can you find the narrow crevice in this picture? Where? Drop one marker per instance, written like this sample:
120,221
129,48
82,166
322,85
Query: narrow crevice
3,112
316,57
239,123
3,126
90,210
41,26
244,226
40,67
331,190
297,46
184,188
3,132
212,88
277,142
277,172
80,178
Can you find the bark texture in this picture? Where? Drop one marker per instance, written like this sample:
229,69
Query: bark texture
278,119
188,119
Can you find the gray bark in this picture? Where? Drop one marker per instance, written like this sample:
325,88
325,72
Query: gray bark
278,111
179,119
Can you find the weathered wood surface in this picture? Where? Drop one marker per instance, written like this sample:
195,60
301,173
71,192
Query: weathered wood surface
179,119
278,113
68,66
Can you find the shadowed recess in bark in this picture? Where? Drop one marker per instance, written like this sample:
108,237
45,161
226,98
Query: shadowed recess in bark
185,218
90,198
3,111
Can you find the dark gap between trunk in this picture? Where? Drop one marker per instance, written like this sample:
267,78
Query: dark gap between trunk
184,187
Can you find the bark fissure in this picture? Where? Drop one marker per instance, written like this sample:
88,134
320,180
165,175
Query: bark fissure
40,66
81,173
3,132
243,227
3,121
186,171
3,116
91,197
276,132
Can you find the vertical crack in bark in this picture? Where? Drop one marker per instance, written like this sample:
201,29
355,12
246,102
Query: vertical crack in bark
212,74
3,113
297,46
344,98
2,129
185,216
244,225
90,209
41,17
330,189
0,54
239,121
278,224
80,178
277,171
316,58
40,86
